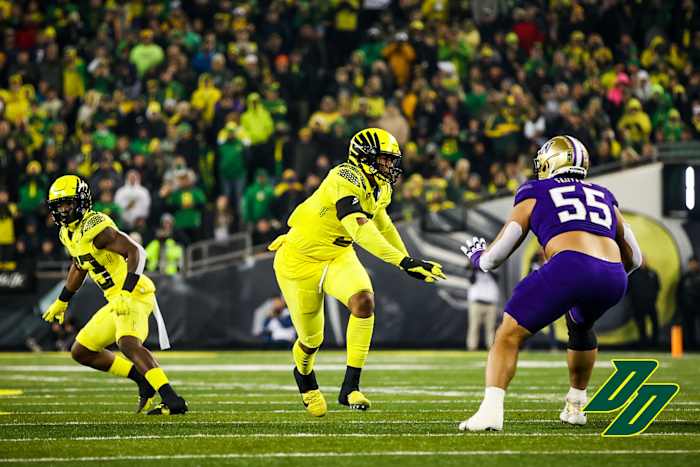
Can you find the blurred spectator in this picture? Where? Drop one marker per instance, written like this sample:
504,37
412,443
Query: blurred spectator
635,124
232,161
395,123
225,222
8,213
146,54
400,55
105,204
164,254
32,190
186,201
289,193
272,322
688,299
258,125
133,199
643,291
305,152
483,296
258,199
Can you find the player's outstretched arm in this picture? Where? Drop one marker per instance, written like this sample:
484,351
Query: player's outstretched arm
120,243
508,240
388,230
626,241
58,308
365,233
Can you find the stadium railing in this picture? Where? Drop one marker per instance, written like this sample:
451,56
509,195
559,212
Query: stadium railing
209,255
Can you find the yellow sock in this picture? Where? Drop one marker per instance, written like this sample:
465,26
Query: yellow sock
156,378
358,337
120,367
303,361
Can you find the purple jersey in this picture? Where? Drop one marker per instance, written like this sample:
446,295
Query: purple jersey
568,204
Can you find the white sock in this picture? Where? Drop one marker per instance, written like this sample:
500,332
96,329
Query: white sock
577,394
493,398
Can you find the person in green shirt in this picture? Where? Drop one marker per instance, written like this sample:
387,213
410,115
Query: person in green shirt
187,203
103,137
258,198
673,126
374,45
276,106
147,54
32,191
107,206
232,166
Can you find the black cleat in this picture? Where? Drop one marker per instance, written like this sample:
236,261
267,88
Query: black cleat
175,407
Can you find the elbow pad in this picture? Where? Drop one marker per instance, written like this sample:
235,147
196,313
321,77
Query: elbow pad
634,246
501,248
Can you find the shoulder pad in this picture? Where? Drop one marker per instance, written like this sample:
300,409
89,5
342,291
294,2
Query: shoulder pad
94,223
525,191
349,173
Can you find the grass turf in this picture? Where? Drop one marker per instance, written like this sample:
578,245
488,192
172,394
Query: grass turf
245,410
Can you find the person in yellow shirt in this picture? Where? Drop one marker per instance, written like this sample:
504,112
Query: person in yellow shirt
115,263
316,256
635,124
205,97
17,99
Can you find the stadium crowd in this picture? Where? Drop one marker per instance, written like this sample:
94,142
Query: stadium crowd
197,119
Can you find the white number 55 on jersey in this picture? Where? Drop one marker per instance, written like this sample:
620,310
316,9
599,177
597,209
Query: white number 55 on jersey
603,218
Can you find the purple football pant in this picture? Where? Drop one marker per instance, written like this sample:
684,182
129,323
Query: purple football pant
570,281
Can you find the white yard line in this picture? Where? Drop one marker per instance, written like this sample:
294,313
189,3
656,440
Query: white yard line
300,410
326,435
182,422
272,367
352,454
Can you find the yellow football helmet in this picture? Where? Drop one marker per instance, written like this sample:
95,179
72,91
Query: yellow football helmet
72,189
368,146
562,155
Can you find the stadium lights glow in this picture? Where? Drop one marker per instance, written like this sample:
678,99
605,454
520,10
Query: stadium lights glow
690,188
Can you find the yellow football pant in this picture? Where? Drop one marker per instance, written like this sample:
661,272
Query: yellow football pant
106,326
303,282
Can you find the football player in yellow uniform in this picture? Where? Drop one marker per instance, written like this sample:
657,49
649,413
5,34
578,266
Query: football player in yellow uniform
317,256
115,263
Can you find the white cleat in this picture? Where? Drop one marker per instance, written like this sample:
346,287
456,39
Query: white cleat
573,412
481,421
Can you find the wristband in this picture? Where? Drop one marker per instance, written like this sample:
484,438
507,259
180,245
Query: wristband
475,259
130,282
66,295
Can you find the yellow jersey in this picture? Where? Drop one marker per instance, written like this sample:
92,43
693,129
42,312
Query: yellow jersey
316,230
106,268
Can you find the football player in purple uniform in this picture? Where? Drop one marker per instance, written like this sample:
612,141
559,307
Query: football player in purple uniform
589,251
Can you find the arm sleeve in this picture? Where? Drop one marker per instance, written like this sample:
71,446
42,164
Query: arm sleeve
368,237
388,230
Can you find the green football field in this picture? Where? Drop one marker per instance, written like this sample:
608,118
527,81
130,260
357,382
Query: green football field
245,410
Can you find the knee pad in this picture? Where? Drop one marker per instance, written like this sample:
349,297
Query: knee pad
581,337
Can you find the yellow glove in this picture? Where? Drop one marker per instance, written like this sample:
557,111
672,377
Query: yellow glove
427,271
55,311
121,303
